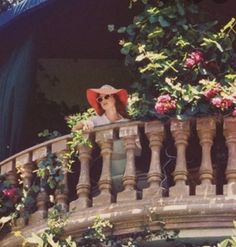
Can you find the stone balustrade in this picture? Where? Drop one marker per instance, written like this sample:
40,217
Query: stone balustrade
189,194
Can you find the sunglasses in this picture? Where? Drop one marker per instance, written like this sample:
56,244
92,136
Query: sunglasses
101,98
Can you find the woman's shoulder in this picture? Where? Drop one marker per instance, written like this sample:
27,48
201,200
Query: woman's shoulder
99,120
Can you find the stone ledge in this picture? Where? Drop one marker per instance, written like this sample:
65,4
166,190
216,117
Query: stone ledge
189,216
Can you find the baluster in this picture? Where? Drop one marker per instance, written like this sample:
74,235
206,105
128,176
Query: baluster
129,135
206,131
180,131
25,165
230,136
84,186
61,193
12,178
155,133
105,141
42,198
10,171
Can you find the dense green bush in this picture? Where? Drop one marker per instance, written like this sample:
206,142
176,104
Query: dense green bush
180,54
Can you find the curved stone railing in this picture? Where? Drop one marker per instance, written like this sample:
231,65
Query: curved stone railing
181,203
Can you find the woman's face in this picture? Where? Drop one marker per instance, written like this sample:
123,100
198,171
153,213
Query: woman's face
107,101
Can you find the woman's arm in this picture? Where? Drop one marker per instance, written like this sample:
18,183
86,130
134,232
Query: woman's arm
86,125
78,126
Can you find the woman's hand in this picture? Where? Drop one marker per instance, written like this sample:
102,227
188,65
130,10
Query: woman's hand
88,125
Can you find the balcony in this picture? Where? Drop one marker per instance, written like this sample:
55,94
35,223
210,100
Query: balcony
182,173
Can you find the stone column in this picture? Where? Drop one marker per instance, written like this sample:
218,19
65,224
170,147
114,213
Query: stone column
61,193
180,131
42,197
105,141
83,187
206,128
230,173
25,166
59,147
155,133
129,136
9,170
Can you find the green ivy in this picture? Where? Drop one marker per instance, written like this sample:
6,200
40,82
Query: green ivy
78,137
159,42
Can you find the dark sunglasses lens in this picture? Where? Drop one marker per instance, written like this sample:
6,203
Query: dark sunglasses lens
99,99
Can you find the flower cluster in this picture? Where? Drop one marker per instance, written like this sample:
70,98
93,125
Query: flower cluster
10,192
193,59
8,196
208,97
212,92
165,104
222,103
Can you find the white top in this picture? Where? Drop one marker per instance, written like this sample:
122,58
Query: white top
101,120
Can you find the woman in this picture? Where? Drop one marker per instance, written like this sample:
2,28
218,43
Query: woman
110,105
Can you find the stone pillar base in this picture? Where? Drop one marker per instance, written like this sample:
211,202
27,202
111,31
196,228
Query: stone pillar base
37,216
102,199
152,192
18,224
80,203
179,190
205,190
127,195
230,189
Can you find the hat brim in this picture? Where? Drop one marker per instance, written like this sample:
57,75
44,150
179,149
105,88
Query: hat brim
93,93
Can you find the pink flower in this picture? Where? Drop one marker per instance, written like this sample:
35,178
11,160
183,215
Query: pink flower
234,112
11,192
194,58
222,103
189,63
210,93
216,102
165,104
197,56
164,98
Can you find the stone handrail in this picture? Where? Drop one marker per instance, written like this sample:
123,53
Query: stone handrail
133,189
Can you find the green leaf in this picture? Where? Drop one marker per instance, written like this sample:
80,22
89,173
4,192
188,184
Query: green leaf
5,219
180,9
126,48
35,239
153,19
121,30
111,27
163,22
193,8
51,241
140,57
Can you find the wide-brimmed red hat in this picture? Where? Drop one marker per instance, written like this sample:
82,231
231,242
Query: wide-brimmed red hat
93,93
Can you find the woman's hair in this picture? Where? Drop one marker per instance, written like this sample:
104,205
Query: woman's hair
120,107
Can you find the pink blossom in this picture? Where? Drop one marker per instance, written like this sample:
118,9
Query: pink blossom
189,63
197,56
11,192
222,103
164,98
210,93
165,104
216,102
194,58
234,112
